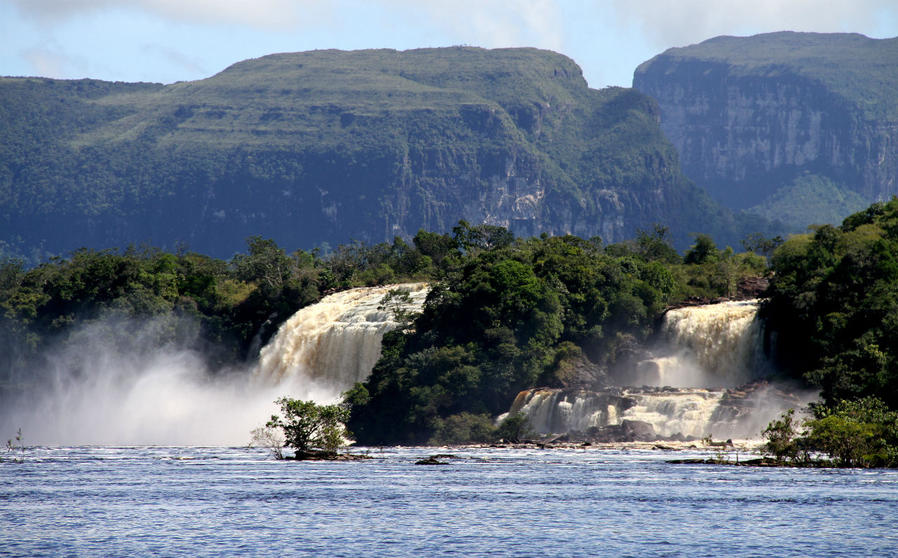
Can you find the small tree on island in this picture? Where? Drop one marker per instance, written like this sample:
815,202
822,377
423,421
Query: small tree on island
312,430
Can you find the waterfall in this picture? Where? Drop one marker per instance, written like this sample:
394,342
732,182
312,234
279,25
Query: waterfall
136,392
705,352
715,345
325,348
686,412
556,411
670,412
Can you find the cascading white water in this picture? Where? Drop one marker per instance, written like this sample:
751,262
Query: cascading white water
706,348
715,345
687,412
555,411
100,392
324,349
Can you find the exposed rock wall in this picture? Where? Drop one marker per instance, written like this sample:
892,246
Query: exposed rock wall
746,125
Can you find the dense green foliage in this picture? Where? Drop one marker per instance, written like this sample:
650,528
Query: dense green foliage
510,315
834,306
858,433
504,314
308,426
330,146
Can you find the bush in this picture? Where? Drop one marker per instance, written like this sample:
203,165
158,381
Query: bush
308,426
514,429
861,433
781,437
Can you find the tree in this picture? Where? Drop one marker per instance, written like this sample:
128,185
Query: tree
481,237
760,244
266,264
704,250
655,245
308,426
859,433
398,302
514,428
781,437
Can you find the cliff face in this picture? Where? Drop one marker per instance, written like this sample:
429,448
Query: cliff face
751,116
331,146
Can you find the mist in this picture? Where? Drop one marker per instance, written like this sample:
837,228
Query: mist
140,386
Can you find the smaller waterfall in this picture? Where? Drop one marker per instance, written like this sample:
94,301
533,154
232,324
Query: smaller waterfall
715,345
325,348
556,411
686,412
670,412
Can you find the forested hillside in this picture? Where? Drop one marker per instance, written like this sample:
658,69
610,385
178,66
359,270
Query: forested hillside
320,148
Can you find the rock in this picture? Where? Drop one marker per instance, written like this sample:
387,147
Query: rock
752,287
316,455
626,431
435,459
637,431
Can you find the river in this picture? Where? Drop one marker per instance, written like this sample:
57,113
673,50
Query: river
213,501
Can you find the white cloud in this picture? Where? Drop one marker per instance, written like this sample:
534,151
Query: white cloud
487,23
258,13
669,23
492,23
483,22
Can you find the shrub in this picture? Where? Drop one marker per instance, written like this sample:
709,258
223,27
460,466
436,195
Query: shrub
308,426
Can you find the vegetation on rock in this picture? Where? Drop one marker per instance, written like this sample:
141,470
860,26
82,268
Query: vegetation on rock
507,315
312,430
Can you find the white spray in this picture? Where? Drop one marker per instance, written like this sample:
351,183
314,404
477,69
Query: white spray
100,393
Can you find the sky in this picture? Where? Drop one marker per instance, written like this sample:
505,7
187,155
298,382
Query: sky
177,40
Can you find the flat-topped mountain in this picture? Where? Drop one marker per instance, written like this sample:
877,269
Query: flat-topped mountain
331,146
797,126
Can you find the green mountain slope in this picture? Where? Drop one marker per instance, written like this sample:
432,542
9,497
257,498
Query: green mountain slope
328,146
750,116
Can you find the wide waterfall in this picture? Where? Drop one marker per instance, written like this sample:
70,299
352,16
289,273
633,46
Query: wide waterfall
688,389
140,393
324,349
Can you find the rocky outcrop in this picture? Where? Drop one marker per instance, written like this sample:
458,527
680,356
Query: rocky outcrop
750,116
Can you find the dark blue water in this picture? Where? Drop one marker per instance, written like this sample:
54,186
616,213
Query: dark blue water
233,501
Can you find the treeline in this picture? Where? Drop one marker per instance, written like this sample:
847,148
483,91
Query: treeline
227,309
224,309
504,314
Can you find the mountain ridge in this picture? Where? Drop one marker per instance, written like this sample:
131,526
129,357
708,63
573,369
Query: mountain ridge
324,147
754,118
